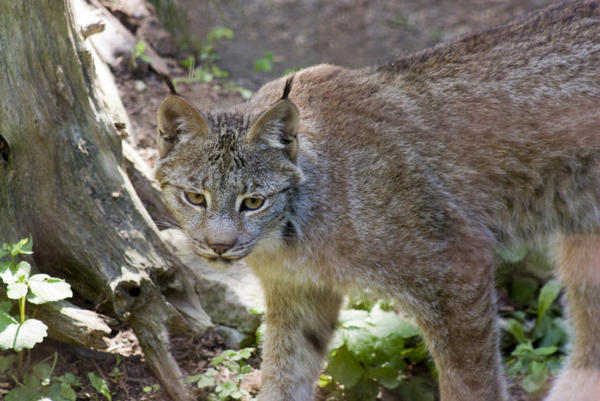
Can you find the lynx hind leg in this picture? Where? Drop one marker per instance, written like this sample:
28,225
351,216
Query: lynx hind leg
300,320
578,260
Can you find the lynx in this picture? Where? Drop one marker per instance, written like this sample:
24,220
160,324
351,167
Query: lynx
405,178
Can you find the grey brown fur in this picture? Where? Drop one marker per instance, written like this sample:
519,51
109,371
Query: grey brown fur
404,178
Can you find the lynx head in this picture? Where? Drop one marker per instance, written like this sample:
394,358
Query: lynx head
228,177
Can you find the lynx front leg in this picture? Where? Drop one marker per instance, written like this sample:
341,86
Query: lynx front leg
461,331
300,320
579,264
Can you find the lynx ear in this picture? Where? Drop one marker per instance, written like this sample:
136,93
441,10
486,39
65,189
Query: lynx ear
278,126
176,116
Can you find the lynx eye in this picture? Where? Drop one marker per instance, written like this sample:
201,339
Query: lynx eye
252,203
195,198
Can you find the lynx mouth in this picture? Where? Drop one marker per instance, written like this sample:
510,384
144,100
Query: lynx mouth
219,262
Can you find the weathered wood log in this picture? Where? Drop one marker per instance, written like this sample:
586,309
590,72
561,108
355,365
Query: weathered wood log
61,180
74,325
147,189
115,44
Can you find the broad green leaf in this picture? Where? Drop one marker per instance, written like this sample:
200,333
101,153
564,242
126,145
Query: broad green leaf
225,389
6,320
548,295
219,359
23,393
523,349
390,345
100,385
6,306
538,370
204,381
515,328
344,367
232,366
6,273
47,289
16,290
545,351
244,370
70,379
44,373
389,323
361,344
6,362
67,392
530,385
557,335
354,318
543,325
210,373
242,354
364,390
19,336
387,376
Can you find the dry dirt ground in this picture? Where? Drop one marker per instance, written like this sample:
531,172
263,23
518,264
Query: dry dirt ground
351,33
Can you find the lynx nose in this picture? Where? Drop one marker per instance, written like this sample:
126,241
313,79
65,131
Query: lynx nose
221,248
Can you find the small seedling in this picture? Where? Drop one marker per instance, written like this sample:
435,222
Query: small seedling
151,389
139,54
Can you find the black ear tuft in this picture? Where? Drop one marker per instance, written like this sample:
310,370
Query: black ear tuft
288,87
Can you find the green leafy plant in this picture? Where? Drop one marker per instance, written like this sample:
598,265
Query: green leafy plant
205,52
265,63
539,345
234,363
40,384
537,335
151,389
139,54
100,385
375,348
18,333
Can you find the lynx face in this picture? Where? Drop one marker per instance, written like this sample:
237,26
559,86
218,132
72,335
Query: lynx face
228,179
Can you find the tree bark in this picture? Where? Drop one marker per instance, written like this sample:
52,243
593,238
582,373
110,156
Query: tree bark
61,180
